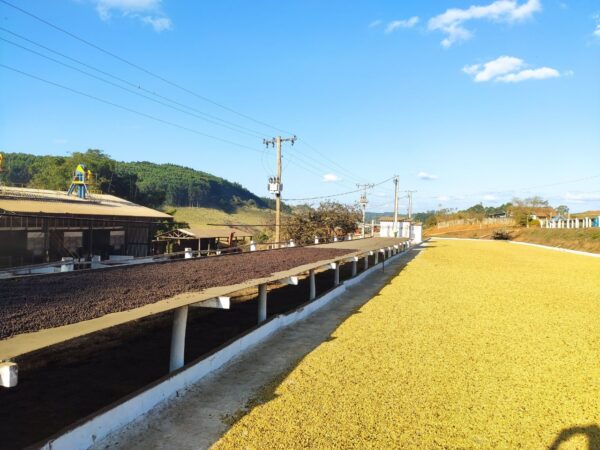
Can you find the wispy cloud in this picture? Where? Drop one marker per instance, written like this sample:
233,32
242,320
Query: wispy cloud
375,23
508,69
427,176
397,24
331,178
596,32
490,197
452,21
147,11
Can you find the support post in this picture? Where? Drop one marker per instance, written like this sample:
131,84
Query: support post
262,303
366,262
178,338
313,285
354,266
376,257
336,277
9,374
67,264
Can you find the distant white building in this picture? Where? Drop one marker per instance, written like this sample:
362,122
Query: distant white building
403,228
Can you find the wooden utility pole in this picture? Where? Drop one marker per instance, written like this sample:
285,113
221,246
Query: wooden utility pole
396,183
275,184
363,203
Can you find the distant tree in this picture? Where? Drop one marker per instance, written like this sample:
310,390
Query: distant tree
522,209
329,219
562,210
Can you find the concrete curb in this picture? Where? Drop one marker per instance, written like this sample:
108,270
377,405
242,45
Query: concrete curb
84,433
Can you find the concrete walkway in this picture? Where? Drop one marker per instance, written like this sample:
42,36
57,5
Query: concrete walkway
199,417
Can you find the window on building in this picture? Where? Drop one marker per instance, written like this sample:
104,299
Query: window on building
35,242
73,240
117,239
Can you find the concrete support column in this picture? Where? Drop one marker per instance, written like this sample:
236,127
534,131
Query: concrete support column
354,266
67,264
366,262
336,276
96,264
178,338
262,302
312,294
376,257
9,374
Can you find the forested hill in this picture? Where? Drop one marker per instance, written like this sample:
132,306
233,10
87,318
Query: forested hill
145,183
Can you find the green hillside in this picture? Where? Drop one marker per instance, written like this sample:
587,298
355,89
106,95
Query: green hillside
146,183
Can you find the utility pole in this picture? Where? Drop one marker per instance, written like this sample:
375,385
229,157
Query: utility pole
410,203
363,203
275,184
396,185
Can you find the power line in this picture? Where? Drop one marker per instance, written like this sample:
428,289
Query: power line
137,66
125,108
126,89
140,68
321,197
161,78
337,195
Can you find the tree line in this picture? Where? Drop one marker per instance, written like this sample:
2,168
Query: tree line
145,183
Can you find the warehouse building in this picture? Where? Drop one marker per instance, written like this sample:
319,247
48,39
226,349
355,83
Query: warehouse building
39,226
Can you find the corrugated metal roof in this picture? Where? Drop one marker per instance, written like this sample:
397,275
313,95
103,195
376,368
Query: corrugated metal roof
42,201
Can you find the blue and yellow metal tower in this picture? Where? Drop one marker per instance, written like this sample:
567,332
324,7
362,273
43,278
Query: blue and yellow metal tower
82,177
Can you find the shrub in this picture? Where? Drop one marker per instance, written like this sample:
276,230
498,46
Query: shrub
501,235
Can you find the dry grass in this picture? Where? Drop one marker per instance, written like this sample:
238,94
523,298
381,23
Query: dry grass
245,215
587,240
474,345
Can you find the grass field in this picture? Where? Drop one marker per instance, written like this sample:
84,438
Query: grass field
244,215
473,345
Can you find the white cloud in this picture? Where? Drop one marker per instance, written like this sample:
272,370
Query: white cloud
495,68
427,176
331,178
397,24
443,198
452,21
147,11
375,23
597,30
490,197
158,23
530,74
508,69
581,197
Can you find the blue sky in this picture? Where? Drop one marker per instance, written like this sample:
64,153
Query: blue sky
467,101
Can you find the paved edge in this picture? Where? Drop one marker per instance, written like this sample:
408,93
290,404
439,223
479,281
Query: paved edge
206,410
